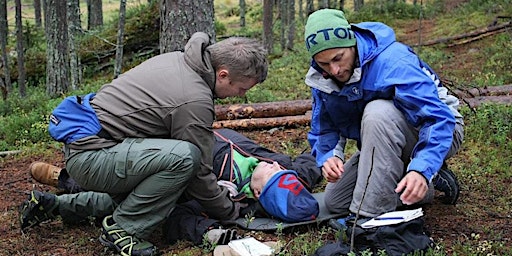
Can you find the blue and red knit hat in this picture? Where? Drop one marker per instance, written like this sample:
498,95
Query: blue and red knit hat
286,198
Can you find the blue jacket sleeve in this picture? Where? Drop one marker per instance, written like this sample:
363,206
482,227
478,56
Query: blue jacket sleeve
417,97
323,135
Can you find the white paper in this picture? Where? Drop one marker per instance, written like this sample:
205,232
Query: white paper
250,247
391,218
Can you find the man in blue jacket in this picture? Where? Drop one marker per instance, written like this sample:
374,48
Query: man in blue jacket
370,88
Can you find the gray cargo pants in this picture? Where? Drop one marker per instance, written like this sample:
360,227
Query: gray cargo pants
149,174
393,135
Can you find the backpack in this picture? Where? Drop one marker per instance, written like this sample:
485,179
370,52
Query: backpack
396,240
74,119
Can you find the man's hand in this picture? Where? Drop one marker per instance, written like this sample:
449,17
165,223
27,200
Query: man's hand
332,169
413,186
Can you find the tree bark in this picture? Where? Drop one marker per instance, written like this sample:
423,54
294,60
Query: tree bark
242,13
74,31
284,23
37,13
120,35
486,91
20,50
95,14
4,31
179,19
301,11
57,67
291,24
323,4
268,25
260,123
477,101
265,109
310,8
358,4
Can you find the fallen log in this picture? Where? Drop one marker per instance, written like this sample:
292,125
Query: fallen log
266,109
266,122
476,38
475,33
304,120
8,153
477,101
485,91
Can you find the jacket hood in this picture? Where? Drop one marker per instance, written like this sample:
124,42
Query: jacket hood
198,58
372,39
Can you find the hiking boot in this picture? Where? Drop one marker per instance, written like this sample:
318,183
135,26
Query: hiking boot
220,236
115,237
45,173
39,207
446,181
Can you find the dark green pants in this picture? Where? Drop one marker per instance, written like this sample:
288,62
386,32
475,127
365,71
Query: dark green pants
150,174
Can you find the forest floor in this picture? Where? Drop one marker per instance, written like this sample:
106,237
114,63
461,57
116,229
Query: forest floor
449,224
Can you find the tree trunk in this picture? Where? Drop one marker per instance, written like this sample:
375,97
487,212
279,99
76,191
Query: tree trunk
57,66
291,24
310,8
342,4
20,50
120,35
37,13
3,89
4,31
358,4
301,11
179,19
323,4
265,109
242,13
472,34
43,4
95,14
486,91
477,101
284,24
268,25
74,31
260,123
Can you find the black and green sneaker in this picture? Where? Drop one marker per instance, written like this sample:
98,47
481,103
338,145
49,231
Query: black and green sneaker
118,239
39,207
446,181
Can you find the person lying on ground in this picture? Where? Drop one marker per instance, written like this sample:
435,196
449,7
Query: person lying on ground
266,183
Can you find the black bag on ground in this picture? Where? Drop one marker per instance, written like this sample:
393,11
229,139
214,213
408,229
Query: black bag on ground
399,239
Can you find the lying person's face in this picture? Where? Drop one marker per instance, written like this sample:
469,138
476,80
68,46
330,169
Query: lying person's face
261,175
